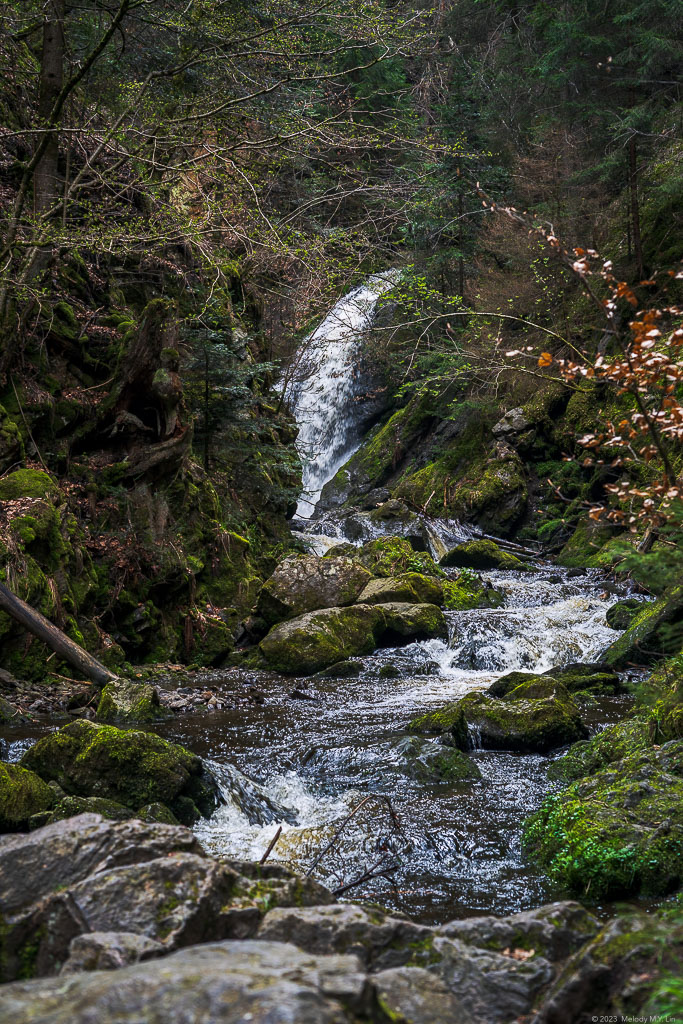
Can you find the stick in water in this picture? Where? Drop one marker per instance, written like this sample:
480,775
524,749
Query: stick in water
271,844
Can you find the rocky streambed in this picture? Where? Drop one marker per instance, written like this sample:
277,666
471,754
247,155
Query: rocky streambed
413,755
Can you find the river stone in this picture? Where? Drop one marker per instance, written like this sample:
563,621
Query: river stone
617,832
499,687
216,983
107,951
124,700
526,725
304,583
612,977
482,554
315,641
538,688
22,794
131,767
412,995
70,806
411,587
429,762
622,614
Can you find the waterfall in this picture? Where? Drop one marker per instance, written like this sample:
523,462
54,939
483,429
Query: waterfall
323,397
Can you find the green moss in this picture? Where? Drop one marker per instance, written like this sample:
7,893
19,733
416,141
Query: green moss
22,794
449,719
608,746
393,556
584,545
126,701
27,483
619,832
650,634
483,554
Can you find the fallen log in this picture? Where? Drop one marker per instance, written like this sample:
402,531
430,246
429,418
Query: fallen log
46,631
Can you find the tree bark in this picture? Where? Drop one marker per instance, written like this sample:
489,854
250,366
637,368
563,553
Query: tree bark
45,182
46,631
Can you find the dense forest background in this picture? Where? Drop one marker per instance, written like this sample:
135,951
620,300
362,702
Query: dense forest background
187,187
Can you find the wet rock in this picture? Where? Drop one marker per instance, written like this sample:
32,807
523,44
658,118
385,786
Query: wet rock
411,587
133,768
613,976
125,701
305,583
393,556
621,614
523,724
412,995
157,812
22,794
618,831
108,951
216,983
482,554
9,715
655,630
430,762
266,886
342,670
315,641
389,671
508,682
470,591
596,677
553,931
538,688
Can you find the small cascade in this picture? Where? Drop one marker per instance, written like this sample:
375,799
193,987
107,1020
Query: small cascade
323,398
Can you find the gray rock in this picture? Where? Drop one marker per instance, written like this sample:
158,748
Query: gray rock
218,983
411,995
378,940
107,951
513,422
554,931
125,700
304,583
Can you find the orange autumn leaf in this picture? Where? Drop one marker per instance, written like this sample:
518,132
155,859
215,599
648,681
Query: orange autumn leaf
545,359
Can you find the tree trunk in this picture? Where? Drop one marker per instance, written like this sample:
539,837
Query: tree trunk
46,631
45,182
635,208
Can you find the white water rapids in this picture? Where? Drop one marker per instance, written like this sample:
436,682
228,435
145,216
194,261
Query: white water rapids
322,399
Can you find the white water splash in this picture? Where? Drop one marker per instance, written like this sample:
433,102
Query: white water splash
323,402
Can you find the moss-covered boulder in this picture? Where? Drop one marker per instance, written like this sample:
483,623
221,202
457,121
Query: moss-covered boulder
11,443
482,554
622,614
124,700
27,483
304,583
518,722
393,556
619,832
22,794
469,591
429,762
607,746
70,806
313,642
131,767
656,630
411,587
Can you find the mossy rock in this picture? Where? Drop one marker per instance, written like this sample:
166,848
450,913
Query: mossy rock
449,719
305,583
124,700
71,806
22,794
131,767
11,442
585,544
27,483
430,762
622,614
533,725
619,832
504,684
411,587
157,812
655,631
482,554
342,670
313,642
663,692
470,591
537,688
394,556
608,746
9,715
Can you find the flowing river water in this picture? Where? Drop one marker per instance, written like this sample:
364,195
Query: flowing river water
301,754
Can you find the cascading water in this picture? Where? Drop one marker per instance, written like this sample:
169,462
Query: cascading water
322,399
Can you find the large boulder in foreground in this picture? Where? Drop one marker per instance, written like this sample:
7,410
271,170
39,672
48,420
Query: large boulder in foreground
617,832
304,583
88,875
22,794
535,717
482,554
319,639
130,767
